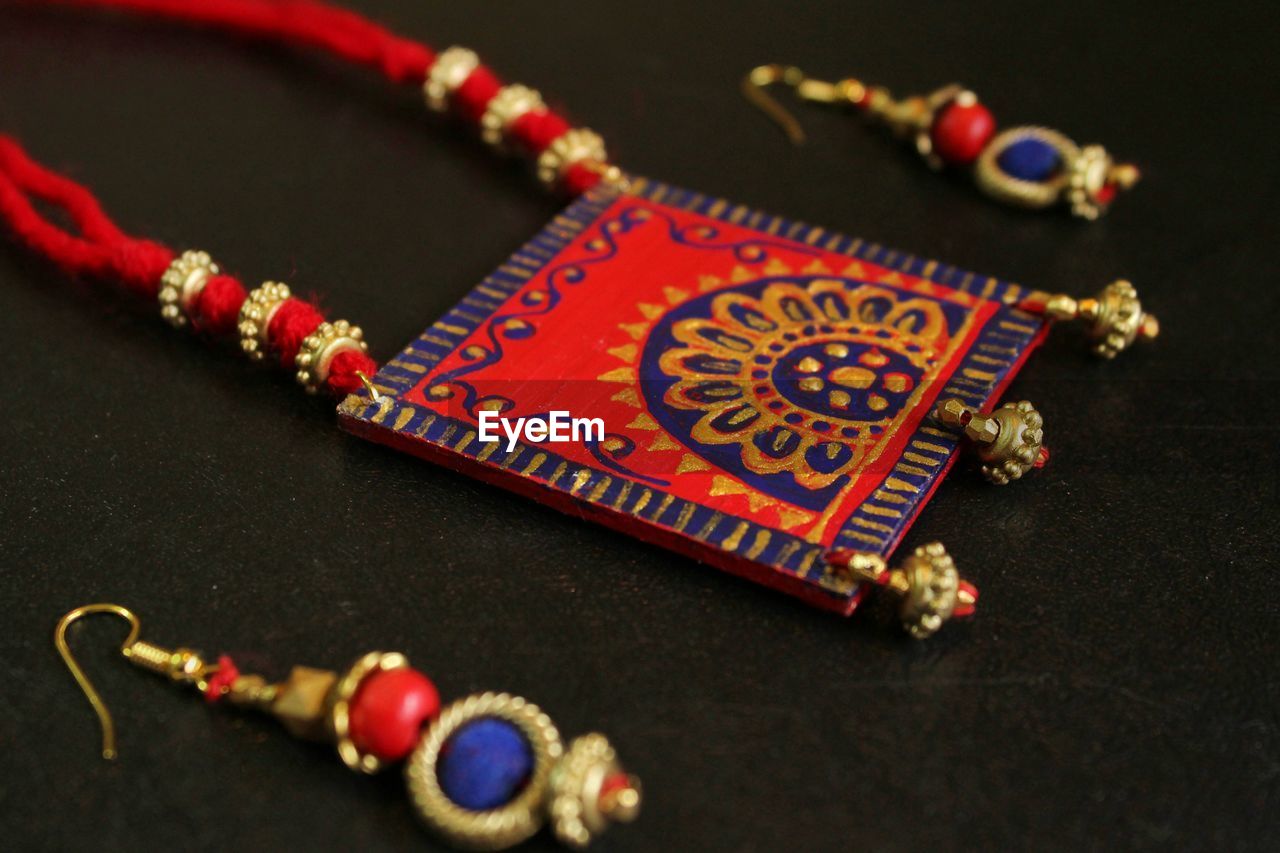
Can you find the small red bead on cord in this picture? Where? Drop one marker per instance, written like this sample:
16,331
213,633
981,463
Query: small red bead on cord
966,601
101,250
536,130
354,38
216,311
473,96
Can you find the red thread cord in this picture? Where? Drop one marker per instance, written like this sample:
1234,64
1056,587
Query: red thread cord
102,251
338,31
356,39
219,684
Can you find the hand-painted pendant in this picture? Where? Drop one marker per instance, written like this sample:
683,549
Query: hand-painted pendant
766,388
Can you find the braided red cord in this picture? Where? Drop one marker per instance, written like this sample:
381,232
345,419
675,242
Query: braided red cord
342,33
356,39
102,251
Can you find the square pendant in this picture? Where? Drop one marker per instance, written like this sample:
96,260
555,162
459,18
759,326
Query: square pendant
762,388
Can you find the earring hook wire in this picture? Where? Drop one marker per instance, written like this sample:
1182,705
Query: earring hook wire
95,699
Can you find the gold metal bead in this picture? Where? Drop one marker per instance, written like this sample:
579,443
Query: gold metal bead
1114,319
255,317
181,283
506,825
1009,441
580,808
927,583
338,717
1087,177
300,702
503,109
319,348
573,146
450,70
932,590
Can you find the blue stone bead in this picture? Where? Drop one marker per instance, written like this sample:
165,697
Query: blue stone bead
485,764
1030,159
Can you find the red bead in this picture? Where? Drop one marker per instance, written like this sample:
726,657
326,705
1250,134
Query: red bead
613,783
963,608
1042,458
389,710
960,132
473,96
579,178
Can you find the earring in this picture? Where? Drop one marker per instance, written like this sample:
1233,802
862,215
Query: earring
1032,167
486,772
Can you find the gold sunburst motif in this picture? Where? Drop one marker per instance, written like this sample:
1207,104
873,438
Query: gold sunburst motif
806,377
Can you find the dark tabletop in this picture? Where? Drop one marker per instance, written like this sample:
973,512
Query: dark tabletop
1119,685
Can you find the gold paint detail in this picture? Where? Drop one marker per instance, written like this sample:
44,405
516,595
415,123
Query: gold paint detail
789,518
628,396
734,539
760,543
643,421
635,330
626,352
722,486
662,441
690,463
534,464
619,374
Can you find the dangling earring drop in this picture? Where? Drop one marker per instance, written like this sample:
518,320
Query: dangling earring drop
1032,167
485,772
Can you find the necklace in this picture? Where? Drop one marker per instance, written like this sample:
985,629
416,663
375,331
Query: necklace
771,398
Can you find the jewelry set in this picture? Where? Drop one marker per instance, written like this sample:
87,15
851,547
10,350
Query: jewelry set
778,400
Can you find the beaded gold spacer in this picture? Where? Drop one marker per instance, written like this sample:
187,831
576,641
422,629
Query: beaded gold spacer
504,109
573,146
505,825
255,317
450,70
582,803
1009,441
1114,319
181,283
319,348
927,583
1094,178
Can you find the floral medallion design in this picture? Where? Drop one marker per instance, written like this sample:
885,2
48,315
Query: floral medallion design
794,383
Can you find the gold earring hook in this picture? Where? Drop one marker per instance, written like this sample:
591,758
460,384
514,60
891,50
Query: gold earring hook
753,88
95,700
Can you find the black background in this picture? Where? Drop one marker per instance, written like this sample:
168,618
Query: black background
1119,685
